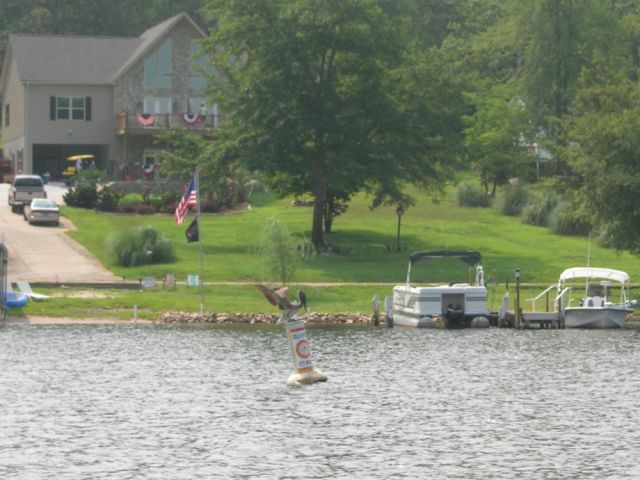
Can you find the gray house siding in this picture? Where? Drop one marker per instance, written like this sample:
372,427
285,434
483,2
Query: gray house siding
13,127
53,140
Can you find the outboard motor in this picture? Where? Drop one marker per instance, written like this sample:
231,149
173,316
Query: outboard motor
454,315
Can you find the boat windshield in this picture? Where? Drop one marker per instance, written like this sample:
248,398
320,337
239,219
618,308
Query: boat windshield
596,290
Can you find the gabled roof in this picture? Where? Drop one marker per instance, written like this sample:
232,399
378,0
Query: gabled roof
55,58
152,36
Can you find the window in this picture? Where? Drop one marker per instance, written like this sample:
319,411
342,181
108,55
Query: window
157,105
198,66
157,67
70,108
7,116
200,69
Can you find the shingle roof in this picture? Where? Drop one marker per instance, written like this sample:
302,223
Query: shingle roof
55,58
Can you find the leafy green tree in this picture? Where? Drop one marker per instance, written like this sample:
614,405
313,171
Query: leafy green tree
188,151
559,38
603,137
497,139
328,95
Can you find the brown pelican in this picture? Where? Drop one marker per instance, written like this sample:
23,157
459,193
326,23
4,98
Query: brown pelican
279,298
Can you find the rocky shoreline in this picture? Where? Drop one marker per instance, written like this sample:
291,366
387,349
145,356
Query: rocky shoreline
266,318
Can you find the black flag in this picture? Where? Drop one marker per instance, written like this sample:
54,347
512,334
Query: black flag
192,232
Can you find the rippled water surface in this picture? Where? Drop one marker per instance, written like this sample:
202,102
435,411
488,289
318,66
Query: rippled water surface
156,402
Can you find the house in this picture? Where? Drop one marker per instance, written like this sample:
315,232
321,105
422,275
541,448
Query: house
101,98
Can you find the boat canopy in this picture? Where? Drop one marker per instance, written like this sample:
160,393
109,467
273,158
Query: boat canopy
470,257
591,272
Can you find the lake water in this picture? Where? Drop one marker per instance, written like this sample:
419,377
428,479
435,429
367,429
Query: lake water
178,402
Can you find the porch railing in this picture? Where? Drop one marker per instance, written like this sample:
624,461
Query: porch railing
135,123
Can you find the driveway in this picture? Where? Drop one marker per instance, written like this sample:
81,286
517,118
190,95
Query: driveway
43,253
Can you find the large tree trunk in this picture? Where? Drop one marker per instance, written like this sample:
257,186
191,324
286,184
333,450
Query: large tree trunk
328,214
320,197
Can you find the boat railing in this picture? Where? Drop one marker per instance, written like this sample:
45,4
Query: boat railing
545,294
551,304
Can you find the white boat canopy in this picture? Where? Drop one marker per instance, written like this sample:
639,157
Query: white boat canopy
592,272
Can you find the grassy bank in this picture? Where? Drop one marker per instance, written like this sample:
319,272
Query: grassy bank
362,237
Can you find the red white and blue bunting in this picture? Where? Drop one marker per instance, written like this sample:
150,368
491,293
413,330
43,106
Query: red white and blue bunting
190,119
146,119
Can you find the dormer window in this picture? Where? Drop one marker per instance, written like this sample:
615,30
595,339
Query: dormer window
158,67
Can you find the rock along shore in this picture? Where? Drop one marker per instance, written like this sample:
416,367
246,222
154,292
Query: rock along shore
258,318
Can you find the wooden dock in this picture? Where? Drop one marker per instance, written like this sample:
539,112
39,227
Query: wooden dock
531,319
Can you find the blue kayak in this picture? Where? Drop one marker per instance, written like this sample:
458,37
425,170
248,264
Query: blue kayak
15,299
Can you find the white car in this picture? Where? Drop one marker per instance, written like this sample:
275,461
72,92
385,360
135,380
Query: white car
42,210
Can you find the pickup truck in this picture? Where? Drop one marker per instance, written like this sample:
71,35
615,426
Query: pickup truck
23,189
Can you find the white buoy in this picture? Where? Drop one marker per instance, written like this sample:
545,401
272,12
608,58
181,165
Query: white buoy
304,371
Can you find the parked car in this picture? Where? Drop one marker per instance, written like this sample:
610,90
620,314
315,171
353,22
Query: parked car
42,210
23,189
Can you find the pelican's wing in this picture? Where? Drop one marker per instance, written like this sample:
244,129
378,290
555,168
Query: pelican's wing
272,297
282,292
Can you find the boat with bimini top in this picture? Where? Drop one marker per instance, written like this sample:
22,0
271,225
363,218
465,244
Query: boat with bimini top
596,308
458,305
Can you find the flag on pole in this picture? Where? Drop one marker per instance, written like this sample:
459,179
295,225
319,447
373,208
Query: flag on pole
189,199
192,232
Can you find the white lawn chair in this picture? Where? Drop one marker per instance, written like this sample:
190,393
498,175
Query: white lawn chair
25,288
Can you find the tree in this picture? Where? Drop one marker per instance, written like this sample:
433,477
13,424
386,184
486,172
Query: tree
496,139
327,96
603,134
185,152
559,37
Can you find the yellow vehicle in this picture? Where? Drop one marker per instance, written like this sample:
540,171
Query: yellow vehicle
76,161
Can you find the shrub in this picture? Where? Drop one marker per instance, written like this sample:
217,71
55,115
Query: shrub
278,250
538,210
140,246
566,220
155,201
108,200
82,195
511,200
128,202
470,195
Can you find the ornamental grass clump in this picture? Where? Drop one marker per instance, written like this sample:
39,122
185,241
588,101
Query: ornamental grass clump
140,246
512,200
470,195
538,210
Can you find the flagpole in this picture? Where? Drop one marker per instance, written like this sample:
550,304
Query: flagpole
197,175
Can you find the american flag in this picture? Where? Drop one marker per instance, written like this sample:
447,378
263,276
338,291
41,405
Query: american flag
190,198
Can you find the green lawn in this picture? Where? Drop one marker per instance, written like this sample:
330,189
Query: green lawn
362,235
229,243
